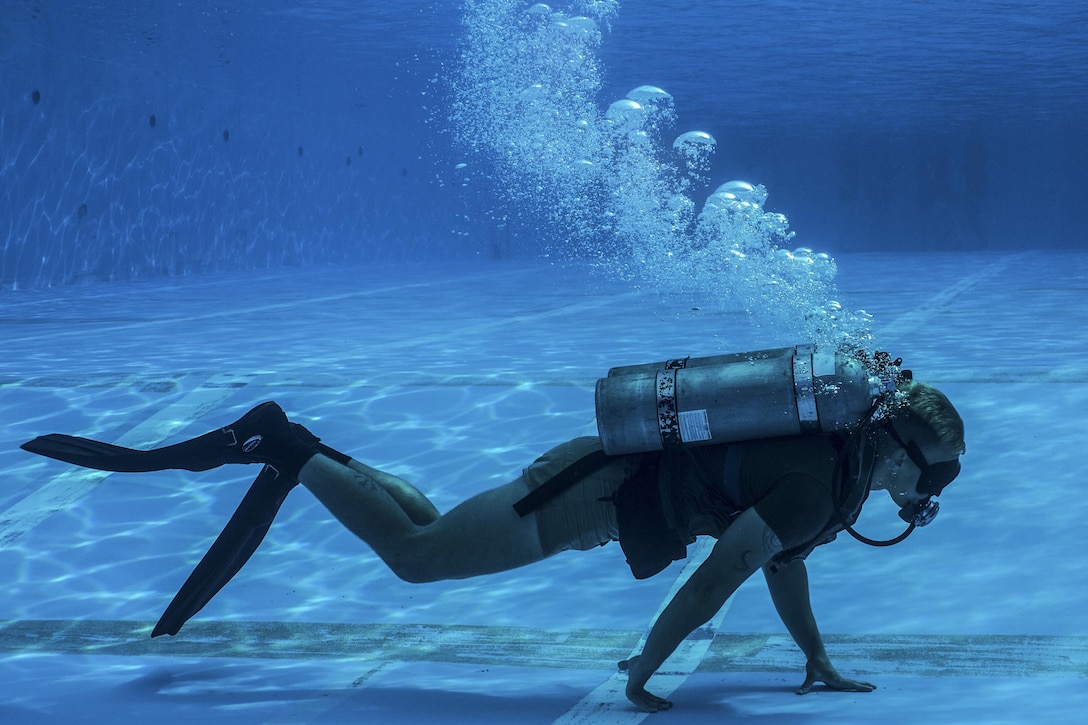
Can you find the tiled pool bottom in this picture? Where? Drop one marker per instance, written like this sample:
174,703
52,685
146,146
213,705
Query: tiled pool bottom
456,378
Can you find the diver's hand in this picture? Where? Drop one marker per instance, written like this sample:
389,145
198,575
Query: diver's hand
636,690
824,672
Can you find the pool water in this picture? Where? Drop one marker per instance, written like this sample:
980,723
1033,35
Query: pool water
455,377
426,229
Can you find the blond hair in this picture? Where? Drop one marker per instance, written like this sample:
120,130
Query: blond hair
936,411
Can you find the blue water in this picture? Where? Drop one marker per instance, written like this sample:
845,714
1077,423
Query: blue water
925,64
919,125
426,229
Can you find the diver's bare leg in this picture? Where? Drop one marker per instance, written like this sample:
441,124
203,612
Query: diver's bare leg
483,535
411,500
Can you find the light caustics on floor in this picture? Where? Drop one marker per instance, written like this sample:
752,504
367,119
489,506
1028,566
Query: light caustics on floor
458,377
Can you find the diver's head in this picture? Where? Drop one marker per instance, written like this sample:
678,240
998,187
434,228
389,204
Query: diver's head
918,451
924,403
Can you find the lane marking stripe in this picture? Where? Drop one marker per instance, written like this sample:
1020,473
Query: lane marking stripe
923,313
608,702
256,310
64,490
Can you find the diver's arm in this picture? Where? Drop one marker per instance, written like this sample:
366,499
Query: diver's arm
745,546
789,592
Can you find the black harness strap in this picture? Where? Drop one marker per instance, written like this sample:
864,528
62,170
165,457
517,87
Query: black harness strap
560,482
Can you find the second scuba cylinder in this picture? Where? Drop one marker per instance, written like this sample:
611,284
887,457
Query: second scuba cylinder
727,398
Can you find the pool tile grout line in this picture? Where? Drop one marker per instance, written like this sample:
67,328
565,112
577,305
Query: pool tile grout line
919,655
250,312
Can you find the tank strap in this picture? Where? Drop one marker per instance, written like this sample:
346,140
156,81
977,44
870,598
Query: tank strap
804,390
560,482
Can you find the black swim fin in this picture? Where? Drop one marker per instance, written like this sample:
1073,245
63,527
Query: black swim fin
263,435
240,538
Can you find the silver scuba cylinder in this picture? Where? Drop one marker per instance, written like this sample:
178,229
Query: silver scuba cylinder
727,398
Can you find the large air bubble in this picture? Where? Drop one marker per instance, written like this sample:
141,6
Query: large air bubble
744,191
626,116
649,94
696,148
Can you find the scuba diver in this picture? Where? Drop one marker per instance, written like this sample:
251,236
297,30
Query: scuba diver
772,453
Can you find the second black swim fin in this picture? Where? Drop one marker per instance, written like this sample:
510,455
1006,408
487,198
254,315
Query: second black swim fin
239,539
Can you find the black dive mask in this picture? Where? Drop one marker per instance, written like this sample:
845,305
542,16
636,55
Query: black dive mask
931,481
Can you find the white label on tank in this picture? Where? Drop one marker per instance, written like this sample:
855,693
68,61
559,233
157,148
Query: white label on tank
694,426
823,364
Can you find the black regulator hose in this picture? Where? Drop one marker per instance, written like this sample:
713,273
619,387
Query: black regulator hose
873,542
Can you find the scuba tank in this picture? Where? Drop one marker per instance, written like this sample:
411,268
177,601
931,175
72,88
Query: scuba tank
744,396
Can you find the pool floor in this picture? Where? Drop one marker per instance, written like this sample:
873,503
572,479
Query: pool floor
455,377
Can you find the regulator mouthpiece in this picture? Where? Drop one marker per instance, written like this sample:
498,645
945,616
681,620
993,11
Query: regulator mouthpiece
921,513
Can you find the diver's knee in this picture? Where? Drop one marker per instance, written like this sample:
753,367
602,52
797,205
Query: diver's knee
414,571
412,562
